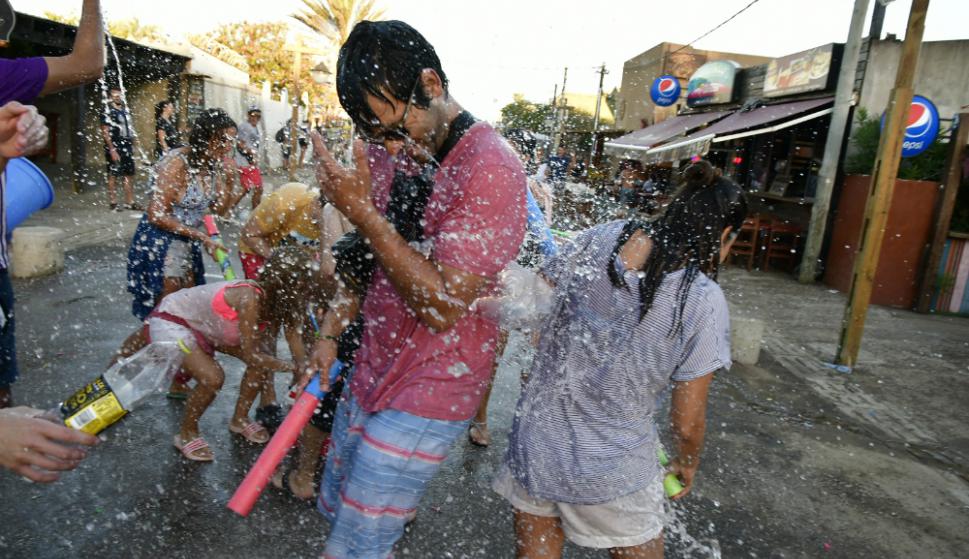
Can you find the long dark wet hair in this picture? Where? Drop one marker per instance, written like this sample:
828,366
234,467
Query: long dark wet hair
208,125
685,236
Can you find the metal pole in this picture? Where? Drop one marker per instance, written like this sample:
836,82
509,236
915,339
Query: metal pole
882,187
560,115
832,146
595,120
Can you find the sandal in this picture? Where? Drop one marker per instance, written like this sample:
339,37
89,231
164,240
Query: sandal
191,449
253,432
474,434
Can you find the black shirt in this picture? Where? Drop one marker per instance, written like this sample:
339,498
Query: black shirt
119,123
171,135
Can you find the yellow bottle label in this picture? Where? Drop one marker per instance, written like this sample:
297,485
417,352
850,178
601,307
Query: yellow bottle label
92,408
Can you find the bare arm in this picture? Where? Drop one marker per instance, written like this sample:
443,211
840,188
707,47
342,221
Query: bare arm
106,135
161,139
439,294
688,423
247,302
85,62
343,310
255,239
226,196
167,192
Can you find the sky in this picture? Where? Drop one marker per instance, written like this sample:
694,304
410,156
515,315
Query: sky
493,50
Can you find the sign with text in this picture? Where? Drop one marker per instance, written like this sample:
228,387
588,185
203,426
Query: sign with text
801,72
712,83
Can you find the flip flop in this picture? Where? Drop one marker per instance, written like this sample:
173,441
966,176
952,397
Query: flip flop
253,432
177,395
190,449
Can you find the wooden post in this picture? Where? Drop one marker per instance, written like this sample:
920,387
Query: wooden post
943,213
832,145
294,120
881,189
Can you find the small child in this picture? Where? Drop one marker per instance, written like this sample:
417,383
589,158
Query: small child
233,318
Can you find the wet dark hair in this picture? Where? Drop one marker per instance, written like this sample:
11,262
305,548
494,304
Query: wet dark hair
160,107
208,125
291,278
686,235
383,58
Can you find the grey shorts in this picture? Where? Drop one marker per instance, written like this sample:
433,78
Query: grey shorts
628,521
178,260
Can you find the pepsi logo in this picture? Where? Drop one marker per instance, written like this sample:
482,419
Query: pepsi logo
919,120
665,91
667,86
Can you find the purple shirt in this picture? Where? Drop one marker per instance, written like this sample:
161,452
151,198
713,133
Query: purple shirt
22,79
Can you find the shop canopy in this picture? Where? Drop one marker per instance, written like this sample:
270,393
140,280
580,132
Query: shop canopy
741,124
635,144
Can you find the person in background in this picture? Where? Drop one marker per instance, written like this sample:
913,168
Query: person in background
247,155
118,132
582,454
166,134
165,254
559,165
283,139
23,80
579,167
425,356
292,215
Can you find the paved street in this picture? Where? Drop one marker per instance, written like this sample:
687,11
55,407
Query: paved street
801,461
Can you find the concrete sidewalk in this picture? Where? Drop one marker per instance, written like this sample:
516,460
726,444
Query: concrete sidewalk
912,379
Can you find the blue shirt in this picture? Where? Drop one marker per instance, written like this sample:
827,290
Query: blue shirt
537,227
583,432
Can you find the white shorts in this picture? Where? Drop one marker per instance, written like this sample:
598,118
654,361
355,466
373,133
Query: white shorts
161,330
628,521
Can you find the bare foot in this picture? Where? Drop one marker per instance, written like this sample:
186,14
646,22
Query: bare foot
301,485
478,433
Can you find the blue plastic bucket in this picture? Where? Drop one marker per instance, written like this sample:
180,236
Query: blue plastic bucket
28,190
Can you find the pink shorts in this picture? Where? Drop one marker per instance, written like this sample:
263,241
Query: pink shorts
252,265
250,177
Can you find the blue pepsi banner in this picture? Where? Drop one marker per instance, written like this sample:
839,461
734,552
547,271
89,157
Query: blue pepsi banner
665,91
921,128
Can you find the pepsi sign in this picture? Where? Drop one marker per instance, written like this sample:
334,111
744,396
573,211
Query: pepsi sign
665,91
921,126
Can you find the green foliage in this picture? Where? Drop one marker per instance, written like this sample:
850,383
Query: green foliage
521,113
928,165
261,44
538,117
334,19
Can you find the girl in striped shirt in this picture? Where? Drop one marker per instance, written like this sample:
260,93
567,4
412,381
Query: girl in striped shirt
635,309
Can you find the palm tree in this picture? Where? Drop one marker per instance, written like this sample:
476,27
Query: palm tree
334,19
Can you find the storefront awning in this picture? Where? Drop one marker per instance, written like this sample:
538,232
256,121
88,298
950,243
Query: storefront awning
741,124
633,145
